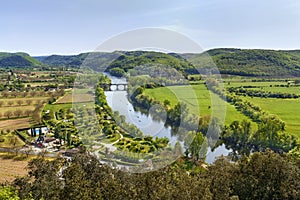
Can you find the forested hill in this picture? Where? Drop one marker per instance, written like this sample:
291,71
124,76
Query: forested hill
61,60
18,60
246,62
120,62
129,60
249,62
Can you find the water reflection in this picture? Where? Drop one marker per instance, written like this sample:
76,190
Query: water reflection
148,123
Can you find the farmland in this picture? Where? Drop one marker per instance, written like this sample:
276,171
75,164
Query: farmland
10,168
285,109
201,96
19,123
252,124
75,98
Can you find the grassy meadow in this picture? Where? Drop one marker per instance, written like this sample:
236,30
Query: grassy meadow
286,109
199,101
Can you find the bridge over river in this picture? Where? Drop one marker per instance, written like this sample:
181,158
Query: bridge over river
114,87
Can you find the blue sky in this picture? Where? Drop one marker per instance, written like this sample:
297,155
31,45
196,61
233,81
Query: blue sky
43,27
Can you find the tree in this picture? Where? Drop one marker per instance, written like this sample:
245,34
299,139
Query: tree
13,94
27,112
18,112
24,94
117,72
198,147
167,103
5,94
13,141
8,114
8,193
267,176
19,102
32,93
42,93
29,102
38,101
10,103
1,103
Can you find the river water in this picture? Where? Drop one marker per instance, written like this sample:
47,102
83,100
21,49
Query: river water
118,101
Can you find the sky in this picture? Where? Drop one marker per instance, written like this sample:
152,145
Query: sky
45,27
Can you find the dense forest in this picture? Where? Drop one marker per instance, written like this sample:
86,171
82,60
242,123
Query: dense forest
249,62
130,60
245,62
17,60
261,176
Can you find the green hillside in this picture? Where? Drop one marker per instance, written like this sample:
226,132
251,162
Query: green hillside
129,60
245,62
61,60
18,60
250,62
95,60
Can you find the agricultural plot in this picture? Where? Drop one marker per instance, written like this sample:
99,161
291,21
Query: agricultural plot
10,140
19,107
13,124
286,109
199,97
76,98
10,169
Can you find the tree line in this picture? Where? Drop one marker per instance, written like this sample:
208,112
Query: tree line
271,130
259,93
259,176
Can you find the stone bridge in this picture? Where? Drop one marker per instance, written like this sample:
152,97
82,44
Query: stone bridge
114,87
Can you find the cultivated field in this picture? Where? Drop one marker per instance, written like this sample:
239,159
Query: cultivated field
10,140
286,109
13,124
199,94
11,168
76,98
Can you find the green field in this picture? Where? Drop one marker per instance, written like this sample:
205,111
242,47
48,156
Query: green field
199,101
286,109
75,97
65,106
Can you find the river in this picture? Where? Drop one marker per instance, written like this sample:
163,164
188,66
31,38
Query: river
118,101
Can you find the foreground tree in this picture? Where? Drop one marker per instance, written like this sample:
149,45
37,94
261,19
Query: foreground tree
260,176
8,193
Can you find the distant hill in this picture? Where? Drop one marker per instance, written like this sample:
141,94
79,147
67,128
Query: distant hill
129,60
61,60
18,60
93,59
119,60
249,62
245,62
